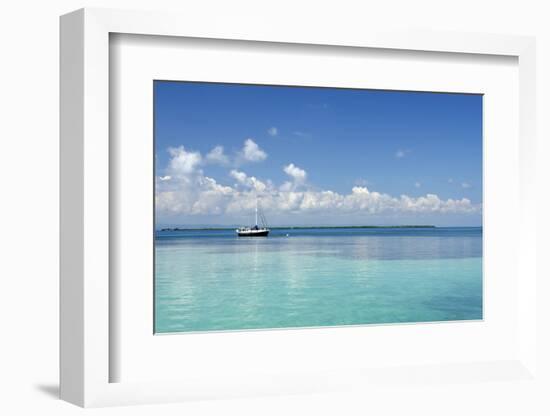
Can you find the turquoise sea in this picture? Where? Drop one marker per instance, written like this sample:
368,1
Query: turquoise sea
211,280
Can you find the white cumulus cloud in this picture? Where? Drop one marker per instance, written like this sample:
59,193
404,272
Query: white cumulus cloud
251,152
217,155
185,191
248,181
299,175
240,177
183,162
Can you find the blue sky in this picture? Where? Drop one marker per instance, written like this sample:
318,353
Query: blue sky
316,155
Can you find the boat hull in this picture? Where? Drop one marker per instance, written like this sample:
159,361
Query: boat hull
253,233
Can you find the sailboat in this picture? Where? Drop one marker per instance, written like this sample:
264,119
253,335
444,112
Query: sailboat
255,231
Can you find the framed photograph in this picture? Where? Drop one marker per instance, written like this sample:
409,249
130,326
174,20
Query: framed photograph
271,211
284,230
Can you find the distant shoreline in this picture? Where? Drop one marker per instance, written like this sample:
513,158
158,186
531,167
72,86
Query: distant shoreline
299,227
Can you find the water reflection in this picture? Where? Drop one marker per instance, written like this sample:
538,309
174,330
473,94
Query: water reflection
221,282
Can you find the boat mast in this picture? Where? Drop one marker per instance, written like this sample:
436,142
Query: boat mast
256,211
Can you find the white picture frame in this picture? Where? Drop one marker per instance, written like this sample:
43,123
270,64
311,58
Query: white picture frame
86,265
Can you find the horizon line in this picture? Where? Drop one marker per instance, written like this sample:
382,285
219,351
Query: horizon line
229,227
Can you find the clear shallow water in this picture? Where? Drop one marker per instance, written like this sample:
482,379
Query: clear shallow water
213,280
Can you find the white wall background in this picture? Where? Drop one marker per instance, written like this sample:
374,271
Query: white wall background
29,204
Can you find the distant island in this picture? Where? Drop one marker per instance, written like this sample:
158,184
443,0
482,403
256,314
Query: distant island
329,227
